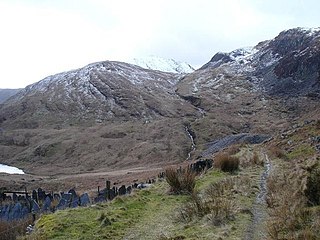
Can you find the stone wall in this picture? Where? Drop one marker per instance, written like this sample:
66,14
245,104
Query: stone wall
18,206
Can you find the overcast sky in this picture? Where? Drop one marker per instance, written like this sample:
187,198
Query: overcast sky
43,37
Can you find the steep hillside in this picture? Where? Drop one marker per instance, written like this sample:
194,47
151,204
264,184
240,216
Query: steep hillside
98,92
252,89
7,93
107,115
287,65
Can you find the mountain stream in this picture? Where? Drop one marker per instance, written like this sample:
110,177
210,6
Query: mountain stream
193,145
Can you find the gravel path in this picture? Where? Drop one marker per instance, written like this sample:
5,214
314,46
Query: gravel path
257,228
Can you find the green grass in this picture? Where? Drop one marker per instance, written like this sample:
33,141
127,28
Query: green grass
301,151
145,214
124,213
301,144
210,177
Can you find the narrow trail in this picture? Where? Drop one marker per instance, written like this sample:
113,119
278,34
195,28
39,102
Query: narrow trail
257,228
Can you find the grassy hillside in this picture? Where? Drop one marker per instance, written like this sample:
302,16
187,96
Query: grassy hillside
293,197
155,213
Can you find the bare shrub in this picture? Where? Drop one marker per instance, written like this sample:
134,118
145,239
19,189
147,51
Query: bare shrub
214,190
182,181
287,199
226,163
13,229
164,237
196,207
256,160
313,187
277,152
172,179
188,181
216,203
222,210
233,149
251,159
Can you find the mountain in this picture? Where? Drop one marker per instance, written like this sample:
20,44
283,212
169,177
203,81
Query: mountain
106,115
260,88
162,64
111,115
7,93
98,92
286,65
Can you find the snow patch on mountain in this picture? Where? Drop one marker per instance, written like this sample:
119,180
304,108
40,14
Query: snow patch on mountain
80,79
243,55
311,31
162,64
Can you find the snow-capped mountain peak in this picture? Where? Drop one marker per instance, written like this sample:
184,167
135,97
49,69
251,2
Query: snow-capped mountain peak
162,64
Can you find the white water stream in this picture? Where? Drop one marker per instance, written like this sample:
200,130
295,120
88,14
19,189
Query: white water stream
193,145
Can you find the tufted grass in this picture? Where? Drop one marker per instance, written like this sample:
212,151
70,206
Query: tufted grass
154,213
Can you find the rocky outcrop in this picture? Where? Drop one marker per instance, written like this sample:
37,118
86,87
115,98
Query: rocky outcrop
227,141
287,65
298,70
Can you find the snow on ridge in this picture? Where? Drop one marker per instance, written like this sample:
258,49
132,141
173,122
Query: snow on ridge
311,30
246,60
79,79
243,54
162,64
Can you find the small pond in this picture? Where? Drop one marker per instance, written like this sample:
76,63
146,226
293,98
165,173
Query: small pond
10,170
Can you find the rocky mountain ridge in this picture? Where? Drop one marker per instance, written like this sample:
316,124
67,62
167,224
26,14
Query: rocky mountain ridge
285,65
113,115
